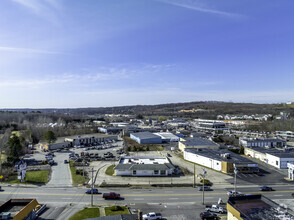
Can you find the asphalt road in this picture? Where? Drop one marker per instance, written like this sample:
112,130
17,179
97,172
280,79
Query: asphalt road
158,195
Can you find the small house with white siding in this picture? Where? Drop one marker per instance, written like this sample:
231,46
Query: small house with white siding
144,166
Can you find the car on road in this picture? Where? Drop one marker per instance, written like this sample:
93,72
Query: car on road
65,161
206,188
208,216
265,188
111,195
233,193
152,216
89,191
292,194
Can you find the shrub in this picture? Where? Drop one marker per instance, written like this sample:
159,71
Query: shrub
116,208
206,182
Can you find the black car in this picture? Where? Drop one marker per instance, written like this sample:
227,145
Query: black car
206,188
208,216
265,188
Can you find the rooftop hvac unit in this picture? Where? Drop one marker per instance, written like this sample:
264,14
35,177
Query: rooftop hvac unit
5,215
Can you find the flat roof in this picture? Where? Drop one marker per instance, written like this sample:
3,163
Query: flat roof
197,141
257,207
264,139
145,135
282,154
144,163
263,150
166,135
216,155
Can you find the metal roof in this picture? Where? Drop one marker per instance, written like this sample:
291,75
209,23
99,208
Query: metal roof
145,135
166,166
198,142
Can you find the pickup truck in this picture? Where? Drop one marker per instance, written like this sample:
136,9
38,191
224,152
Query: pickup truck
111,195
214,208
152,216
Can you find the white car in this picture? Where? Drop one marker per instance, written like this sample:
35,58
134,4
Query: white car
152,216
233,193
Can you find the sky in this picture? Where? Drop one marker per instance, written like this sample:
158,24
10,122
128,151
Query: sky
100,53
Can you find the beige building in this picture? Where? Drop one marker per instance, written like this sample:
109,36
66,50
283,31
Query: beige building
196,143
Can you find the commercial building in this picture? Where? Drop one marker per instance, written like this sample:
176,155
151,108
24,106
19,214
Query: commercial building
110,130
273,157
196,143
56,146
167,137
256,207
262,142
89,139
146,138
258,153
212,125
19,209
280,159
144,166
221,160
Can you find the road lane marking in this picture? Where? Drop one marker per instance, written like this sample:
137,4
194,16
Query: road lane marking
173,198
278,195
135,195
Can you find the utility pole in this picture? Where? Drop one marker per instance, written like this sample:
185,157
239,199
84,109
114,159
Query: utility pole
92,185
194,185
83,172
203,179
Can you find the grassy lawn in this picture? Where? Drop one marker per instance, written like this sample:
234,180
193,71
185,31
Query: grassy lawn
86,213
109,171
32,177
121,210
76,178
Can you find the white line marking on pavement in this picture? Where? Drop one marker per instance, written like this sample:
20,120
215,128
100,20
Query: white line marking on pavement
173,198
278,195
66,198
139,199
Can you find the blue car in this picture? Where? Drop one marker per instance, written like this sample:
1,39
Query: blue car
89,191
265,188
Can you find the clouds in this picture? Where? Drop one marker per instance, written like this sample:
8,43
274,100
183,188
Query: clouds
47,9
197,6
27,50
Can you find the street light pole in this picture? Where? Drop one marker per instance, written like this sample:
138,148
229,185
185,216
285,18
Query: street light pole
235,180
92,185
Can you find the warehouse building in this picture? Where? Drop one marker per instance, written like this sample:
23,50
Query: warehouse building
89,139
258,153
144,166
280,159
262,142
273,157
221,160
146,138
255,207
197,143
167,137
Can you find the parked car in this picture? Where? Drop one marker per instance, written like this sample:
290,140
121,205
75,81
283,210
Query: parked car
152,216
89,191
111,195
233,193
65,161
265,188
292,194
214,208
206,188
208,216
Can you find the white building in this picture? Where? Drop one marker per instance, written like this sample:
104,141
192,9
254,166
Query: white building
220,160
144,166
262,142
212,125
280,160
167,137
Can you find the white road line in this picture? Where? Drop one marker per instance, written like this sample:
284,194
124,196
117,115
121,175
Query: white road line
278,195
66,198
173,198
138,199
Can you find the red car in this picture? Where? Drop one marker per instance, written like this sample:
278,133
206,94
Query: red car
111,195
